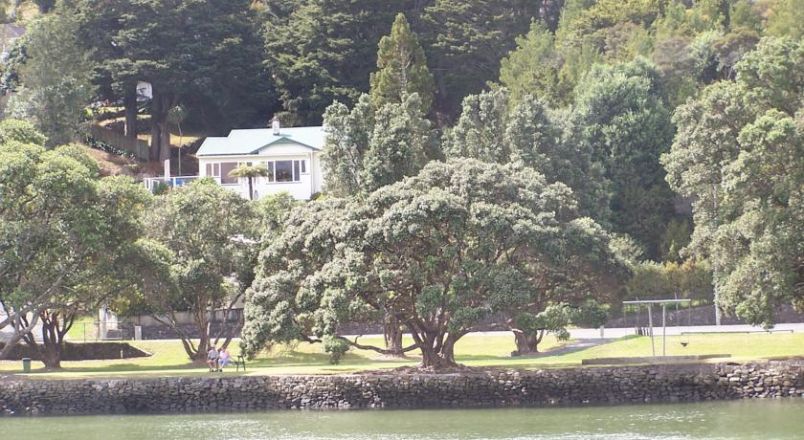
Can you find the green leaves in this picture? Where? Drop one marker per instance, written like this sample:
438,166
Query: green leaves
402,69
738,152
439,251
66,235
367,148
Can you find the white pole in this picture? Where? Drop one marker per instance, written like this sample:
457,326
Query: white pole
664,330
650,324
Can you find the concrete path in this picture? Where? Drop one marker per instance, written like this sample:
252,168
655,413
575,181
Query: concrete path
613,333
674,330
573,346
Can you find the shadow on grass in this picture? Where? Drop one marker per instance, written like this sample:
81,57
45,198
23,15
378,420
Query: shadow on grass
119,368
297,359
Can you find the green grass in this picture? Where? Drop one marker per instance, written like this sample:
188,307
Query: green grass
168,357
83,329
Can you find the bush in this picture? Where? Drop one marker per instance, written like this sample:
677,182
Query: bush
336,348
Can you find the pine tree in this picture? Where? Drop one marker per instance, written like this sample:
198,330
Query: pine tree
402,68
398,145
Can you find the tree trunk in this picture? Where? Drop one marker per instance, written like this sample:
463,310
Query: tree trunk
437,360
393,335
130,103
250,188
54,329
436,355
160,133
526,343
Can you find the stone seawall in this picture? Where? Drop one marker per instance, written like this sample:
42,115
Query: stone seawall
559,387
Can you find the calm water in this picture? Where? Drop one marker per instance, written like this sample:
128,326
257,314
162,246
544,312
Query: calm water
720,420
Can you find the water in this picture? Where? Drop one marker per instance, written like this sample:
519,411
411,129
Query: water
716,420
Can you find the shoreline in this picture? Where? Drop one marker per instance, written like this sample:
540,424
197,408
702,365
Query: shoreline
471,389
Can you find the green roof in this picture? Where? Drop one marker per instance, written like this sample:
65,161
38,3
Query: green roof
251,141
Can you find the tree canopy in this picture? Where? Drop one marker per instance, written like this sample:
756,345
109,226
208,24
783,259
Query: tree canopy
402,68
439,251
738,153
65,234
204,239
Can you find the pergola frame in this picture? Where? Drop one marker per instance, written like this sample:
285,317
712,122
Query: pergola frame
663,303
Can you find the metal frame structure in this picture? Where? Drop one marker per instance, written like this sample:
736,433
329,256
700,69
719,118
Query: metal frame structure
663,303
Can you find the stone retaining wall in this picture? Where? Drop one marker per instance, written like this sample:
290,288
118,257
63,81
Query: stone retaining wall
565,387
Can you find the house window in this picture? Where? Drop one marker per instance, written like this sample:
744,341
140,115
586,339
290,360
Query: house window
226,169
213,170
284,171
221,171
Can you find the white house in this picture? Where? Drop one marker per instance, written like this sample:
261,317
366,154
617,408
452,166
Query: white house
291,155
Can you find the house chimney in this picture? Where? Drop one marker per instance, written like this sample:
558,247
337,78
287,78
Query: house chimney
276,125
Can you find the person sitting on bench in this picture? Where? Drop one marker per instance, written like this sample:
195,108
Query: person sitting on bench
223,358
212,358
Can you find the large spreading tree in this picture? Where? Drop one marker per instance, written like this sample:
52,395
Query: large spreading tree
439,251
203,244
65,238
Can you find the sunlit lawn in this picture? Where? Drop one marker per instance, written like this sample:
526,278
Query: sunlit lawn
486,350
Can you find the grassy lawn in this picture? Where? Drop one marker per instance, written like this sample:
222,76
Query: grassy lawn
83,329
473,350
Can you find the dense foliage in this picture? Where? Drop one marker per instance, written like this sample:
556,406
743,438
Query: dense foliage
66,236
482,157
439,251
739,153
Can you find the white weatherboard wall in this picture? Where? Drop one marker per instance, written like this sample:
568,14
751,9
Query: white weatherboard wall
308,179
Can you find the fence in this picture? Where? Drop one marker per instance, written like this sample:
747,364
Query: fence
138,148
157,184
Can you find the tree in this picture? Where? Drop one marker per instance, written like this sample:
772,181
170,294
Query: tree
619,116
205,237
480,128
786,19
65,234
530,134
440,251
399,144
250,172
580,269
532,68
56,79
320,51
465,40
15,130
347,141
737,152
208,62
402,69
367,148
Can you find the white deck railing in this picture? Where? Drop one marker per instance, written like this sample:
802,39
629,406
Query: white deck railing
154,183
